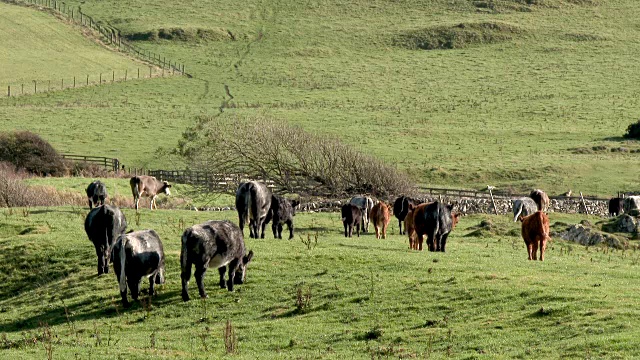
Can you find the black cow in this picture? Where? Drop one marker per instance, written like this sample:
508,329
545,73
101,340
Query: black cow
351,216
436,221
401,208
281,212
96,192
103,225
135,255
213,244
616,206
253,201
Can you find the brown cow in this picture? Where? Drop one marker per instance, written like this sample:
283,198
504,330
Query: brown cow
541,199
380,216
148,186
535,232
408,224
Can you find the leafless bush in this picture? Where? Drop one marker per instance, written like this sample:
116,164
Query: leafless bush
13,191
28,151
295,160
230,339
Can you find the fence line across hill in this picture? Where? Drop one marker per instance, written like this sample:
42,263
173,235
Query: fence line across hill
111,36
110,164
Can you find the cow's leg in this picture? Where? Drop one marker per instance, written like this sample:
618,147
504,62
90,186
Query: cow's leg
400,226
420,241
350,230
136,200
534,249
199,275
185,275
232,273
529,250
290,226
280,227
431,242
375,227
443,242
345,228
384,231
101,200
134,286
152,280
274,228
153,202
100,254
251,228
221,271
105,261
90,204
263,225
543,246
358,230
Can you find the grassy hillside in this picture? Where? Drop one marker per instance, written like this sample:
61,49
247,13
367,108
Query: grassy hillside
365,298
514,95
39,46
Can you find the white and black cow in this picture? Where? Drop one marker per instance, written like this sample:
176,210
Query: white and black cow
523,206
401,209
136,255
365,204
103,225
213,244
281,212
96,192
253,201
148,186
631,203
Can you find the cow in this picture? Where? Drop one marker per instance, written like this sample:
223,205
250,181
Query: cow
213,244
103,225
436,221
631,203
253,201
380,217
535,232
409,224
148,186
281,212
523,206
541,199
365,204
616,206
136,255
96,192
351,216
401,208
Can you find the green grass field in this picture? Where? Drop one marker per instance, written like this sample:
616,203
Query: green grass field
361,297
506,110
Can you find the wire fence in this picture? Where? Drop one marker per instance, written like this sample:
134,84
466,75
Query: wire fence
159,66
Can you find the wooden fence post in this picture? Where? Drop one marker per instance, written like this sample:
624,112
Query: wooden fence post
586,211
113,76
9,90
62,84
87,79
149,72
125,74
22,89
100,83
74,81
138,73
49,86
35,87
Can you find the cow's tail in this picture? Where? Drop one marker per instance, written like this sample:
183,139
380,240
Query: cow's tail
436,228
123,258
252,204
517,214
540,216
184,261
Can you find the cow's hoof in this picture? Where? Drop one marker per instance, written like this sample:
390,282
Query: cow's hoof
126,305
223,285
185,297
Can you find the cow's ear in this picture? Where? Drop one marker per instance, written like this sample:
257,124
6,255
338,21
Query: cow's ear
247,258
520,218
295,203
411,206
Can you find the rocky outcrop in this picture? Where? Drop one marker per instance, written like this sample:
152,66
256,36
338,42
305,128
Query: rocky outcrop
588,236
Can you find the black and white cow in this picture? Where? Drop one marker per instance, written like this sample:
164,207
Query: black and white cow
401,209
96,192
281,212
253,201
523,206
103,225
365,204
136,255
631,203
213,244
351,217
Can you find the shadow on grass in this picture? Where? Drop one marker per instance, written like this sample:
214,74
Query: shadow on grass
61,313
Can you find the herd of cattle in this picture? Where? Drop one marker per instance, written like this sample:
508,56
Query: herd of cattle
220,244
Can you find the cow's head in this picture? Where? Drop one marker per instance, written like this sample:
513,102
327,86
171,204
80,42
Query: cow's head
294,203
454,219
241,271
166,188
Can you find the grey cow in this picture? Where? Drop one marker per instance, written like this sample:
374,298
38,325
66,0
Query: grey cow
103,225
365,204
253,201
136,255
213,244
96,192
523,206
281,212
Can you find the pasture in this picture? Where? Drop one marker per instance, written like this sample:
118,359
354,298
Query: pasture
339,298
557,82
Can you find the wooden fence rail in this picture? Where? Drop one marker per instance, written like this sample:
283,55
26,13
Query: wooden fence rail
110,164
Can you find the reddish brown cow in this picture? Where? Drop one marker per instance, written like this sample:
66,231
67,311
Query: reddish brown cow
535,232
148,186
380,216
409,224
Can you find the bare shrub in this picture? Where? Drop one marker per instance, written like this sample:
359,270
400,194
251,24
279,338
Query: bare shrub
230,339
13,191
28,151
296,161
